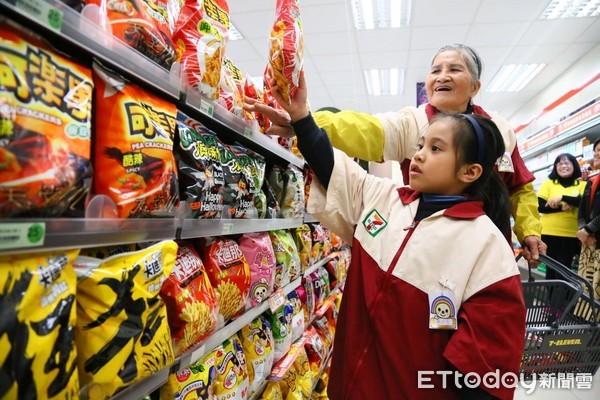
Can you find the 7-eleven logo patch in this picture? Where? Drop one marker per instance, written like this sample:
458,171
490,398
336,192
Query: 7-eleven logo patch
374,223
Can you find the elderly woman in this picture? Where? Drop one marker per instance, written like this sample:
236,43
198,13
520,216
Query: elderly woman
451,84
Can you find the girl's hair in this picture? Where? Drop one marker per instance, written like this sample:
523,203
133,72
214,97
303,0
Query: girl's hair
478,140
469,55
576,169
596,143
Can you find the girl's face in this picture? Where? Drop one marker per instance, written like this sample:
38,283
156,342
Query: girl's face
433,168
449,84
564,168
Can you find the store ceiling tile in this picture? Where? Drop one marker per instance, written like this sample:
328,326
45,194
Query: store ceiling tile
502,31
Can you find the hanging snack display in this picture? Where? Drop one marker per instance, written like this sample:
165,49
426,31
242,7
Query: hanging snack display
200,37
201,177
45,126
122,333
134,162
286,48
37,344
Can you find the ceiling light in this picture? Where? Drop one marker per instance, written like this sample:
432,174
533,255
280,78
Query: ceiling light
514,77
571,9
234,34
374,14
384,82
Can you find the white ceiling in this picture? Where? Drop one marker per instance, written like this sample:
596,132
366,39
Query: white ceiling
502,31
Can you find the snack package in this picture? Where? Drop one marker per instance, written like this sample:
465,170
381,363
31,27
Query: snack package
292,201
258,251
134,162
122,333
200,172
38,358
257,340
232,376
237,200
272,392
142,24
196,382
281,325
231,90
45,129
303,239
200,38
286,47
288,262
229,274
298,323
191,301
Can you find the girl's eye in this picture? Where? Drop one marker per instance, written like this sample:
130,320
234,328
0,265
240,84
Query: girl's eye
435,148
419,146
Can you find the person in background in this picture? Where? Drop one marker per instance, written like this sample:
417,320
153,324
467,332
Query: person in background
589,227
407,309
453,81
559,197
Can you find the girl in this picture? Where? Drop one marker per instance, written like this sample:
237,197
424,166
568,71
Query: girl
433,291
559,198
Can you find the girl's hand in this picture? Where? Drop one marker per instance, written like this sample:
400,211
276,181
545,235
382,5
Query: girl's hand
297,108
280,119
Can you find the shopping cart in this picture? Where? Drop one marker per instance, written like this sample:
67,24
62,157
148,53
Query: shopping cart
562,331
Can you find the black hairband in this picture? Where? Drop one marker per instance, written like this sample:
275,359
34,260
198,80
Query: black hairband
480,137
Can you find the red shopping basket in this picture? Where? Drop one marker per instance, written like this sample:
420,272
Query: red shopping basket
562,332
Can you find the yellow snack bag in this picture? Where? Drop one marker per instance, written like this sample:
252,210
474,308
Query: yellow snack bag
192,383
37,347
272,392
232,375
122,333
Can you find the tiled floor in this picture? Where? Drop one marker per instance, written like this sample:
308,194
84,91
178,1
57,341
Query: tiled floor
540,393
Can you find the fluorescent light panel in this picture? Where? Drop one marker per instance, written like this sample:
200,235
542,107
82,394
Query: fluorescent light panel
571,9
384,82
234,34
514,77
375,14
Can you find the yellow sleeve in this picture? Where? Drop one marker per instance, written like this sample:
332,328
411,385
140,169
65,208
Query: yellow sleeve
356,134
524,205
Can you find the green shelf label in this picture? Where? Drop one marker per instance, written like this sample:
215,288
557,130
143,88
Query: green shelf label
44,12
18,235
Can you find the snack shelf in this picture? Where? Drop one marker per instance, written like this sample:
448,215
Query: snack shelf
318,264
310,219
85,35
245,132
192,228
27,235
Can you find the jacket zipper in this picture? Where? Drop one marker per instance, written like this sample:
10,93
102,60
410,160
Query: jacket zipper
411,228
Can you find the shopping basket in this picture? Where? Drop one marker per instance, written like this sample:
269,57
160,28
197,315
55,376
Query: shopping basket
562,332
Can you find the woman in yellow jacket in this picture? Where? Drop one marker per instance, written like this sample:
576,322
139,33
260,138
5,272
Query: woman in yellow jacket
453,81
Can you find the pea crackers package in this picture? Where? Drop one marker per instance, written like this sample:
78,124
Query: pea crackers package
122,332
134,159
45,129
37,344
287,47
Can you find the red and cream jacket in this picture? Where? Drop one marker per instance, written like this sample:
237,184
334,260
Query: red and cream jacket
383,337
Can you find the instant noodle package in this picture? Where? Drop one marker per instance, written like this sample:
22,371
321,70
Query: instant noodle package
122,333
134,162
286,47
191,302
37,344
45,129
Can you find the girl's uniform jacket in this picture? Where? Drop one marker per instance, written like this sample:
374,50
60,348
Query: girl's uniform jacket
394,136
383,337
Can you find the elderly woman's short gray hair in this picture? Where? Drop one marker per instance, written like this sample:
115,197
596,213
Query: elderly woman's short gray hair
468,54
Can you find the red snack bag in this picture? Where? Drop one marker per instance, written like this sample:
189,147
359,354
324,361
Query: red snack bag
287,47
134,159
191,301
200,37
229,274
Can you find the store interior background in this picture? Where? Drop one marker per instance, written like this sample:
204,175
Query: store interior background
502,31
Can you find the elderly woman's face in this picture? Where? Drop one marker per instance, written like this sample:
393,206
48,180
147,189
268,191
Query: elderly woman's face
449,83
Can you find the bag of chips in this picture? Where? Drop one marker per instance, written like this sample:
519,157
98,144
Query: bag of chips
257,340
191,302
232,376
200,37
229,275
37,344
45,129
134,159
258,251
196,382
286,47
122,333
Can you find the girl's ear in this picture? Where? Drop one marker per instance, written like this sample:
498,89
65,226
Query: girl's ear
469,173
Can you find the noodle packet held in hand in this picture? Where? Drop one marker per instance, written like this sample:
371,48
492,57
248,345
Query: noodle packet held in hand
286,47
